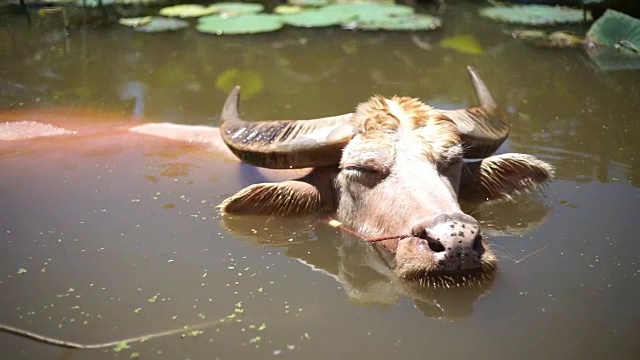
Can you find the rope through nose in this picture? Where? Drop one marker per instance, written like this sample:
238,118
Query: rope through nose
340,226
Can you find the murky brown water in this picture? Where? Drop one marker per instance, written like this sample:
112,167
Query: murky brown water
120,238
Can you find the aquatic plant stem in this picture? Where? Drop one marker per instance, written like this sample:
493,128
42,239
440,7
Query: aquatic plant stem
531,254
73,345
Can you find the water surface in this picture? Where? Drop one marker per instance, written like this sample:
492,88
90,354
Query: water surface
120,238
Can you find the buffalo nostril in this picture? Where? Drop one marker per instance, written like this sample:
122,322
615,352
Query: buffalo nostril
477,244
435,245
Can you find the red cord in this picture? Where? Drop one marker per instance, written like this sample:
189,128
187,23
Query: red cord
338,225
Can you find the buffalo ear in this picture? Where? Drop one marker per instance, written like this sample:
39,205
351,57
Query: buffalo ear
502,176
287,198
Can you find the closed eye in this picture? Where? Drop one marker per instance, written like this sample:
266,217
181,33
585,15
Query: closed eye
360,169
367,176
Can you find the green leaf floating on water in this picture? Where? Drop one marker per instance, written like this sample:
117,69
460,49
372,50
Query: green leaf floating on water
536,15
378,16
619,37
556,39
467,44
161,24
135,22
287,9
308,3
240,18
371,11
247,24
231,9
613,27
414,22
98,3
250,81
187,10
121,346
93,3
317,18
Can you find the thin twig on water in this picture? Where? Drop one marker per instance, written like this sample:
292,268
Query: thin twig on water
531,254
73,345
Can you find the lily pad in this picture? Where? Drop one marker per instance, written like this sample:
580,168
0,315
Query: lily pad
287,9
526,34
380,16
308,3
317,18
556,39
94,3
466,43
247,24
128,2
232,9
250,81
414,22
619,38
608,59
98,3
135,22
535,15
370,11
614,27
161,24
561,39
187,10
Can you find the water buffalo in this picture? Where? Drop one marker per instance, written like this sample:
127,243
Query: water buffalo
394,168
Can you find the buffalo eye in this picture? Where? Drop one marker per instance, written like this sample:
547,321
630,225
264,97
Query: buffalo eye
366,175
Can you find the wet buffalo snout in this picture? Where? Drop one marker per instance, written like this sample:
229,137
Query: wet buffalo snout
455,240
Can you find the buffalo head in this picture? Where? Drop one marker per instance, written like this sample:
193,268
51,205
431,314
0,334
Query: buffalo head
394,167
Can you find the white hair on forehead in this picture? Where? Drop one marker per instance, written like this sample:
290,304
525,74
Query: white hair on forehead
396,110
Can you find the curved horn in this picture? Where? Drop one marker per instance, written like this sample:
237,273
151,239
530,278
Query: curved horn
483,129
284,144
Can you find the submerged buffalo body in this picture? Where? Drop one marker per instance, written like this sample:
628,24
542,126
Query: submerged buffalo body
395,168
